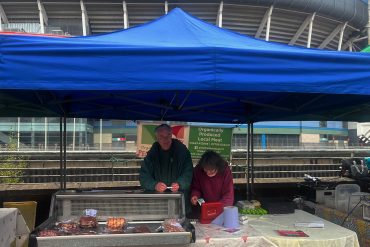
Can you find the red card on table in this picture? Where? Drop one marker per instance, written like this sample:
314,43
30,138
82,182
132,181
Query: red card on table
288,233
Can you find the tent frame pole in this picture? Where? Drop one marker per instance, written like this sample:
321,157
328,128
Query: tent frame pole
65,153
248,162
252,161
61,153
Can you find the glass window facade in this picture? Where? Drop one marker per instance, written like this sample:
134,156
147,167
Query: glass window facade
120,135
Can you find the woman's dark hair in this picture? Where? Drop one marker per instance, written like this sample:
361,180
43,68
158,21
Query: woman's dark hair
212,160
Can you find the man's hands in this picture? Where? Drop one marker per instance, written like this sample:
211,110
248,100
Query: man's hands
161,187
194,200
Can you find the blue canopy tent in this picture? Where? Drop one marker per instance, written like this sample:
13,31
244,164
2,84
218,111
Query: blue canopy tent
180,68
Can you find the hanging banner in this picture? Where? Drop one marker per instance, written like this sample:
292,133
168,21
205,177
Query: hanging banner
197,139
202,139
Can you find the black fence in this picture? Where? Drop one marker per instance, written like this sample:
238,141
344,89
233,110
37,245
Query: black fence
290,171
118,172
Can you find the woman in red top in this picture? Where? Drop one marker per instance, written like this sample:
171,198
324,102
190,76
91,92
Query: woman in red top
212,180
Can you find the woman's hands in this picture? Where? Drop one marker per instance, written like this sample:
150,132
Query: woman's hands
194,200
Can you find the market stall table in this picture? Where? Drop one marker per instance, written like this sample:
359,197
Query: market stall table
12,227
331,235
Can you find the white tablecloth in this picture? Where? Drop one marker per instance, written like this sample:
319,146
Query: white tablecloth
214,235
331,235
12,226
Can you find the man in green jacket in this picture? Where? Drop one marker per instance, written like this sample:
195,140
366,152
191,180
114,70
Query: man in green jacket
168,164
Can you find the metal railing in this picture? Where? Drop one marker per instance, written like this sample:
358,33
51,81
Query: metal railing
301,146
290,171
128,171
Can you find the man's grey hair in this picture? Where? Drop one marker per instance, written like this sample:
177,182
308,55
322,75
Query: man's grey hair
163,126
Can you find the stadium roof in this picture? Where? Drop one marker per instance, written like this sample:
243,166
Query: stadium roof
329,24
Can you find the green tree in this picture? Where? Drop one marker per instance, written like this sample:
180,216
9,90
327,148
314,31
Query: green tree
12,165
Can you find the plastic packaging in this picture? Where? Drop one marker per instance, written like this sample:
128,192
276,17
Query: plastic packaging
115,223
172,225
49,233
69,227
88,222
